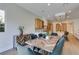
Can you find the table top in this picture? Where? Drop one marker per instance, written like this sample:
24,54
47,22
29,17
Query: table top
47,45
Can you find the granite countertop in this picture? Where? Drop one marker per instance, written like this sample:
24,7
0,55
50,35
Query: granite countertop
47,45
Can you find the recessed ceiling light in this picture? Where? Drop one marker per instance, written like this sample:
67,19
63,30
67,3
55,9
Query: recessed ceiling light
49,4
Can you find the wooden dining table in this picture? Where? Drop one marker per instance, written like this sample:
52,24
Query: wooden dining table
44,44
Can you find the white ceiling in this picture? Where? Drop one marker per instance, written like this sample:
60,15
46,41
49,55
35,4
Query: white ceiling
48,12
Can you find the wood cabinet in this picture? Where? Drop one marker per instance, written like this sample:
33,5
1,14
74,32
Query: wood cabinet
58,27
64,27
61,27
39,24
49,27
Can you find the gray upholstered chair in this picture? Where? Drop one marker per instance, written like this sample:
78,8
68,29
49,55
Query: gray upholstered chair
23,50
59,46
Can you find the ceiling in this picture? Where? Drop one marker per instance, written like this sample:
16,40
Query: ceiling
48,11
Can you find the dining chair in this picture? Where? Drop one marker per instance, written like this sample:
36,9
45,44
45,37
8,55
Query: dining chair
59,46
54,34
33,36
42,35
23,50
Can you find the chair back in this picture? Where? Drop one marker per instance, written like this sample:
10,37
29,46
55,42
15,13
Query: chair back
59,46
54,34
42,35
33,36
23,50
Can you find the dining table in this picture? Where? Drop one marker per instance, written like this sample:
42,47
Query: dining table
44,44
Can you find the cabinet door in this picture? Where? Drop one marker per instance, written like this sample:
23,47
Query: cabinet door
50,27
39,24
64,27
58,27
36,24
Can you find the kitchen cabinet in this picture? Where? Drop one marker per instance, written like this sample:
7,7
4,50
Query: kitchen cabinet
39,24
49,27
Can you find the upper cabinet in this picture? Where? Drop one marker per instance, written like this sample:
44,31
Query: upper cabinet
61,27
39,24
49,27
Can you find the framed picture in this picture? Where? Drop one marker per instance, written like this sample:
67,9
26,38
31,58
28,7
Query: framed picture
2,21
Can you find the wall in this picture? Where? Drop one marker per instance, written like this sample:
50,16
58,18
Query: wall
76,25
14,17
